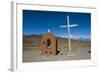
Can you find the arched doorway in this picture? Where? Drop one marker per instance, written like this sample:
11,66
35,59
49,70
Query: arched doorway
48,44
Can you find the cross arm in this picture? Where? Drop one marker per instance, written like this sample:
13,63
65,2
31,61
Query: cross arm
64,26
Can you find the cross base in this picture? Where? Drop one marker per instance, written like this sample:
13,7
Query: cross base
70,54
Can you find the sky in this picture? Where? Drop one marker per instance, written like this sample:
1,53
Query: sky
38,22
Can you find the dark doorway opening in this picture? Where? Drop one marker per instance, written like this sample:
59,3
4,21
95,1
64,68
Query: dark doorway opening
48,45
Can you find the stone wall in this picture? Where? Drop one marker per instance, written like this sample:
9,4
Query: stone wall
49,44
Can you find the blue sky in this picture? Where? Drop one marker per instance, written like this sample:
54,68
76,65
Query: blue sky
38,22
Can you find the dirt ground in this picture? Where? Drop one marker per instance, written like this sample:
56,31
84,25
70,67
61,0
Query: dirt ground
35,55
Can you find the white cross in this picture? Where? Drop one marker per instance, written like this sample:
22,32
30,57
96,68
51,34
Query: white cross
69,35
48,30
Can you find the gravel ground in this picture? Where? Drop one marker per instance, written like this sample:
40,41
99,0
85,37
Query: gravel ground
35,55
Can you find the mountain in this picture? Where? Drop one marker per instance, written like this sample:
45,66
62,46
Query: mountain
33,41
